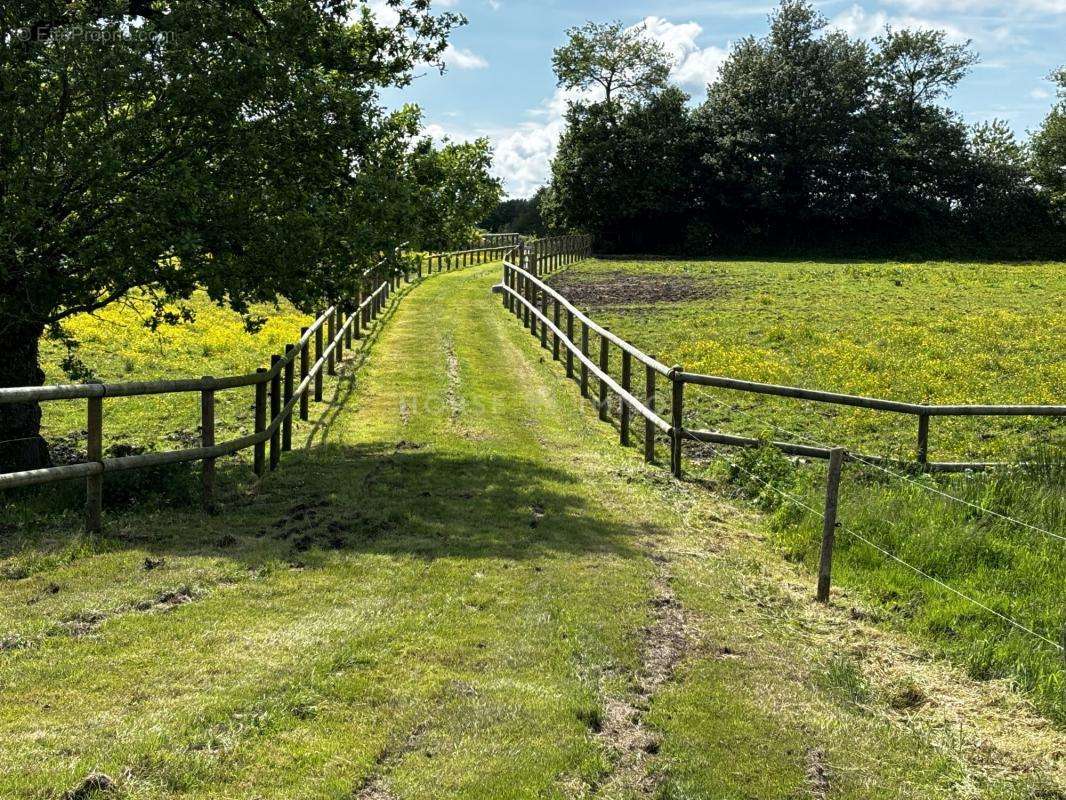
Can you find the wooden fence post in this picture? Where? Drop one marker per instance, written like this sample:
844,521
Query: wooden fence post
829,522
94,484
649,426
338,326
677,412
304,372
570,337
627,381
259,458
604,362
525,296
347,330
286,426
544,323
534,301
555,336
331,332
275,412
207,439
318,357
584,352
923,438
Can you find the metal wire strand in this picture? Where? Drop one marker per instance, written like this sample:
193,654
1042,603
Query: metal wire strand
893,473
917,570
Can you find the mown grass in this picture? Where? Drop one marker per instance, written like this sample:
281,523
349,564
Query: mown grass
434,594
938,332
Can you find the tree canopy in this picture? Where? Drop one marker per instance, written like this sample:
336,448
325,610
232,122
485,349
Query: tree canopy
808,139
164,146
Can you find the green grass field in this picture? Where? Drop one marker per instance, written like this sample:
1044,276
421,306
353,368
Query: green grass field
115,345
938,332
458,585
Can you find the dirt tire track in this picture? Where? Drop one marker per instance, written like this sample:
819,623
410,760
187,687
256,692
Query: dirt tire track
633,744
375,787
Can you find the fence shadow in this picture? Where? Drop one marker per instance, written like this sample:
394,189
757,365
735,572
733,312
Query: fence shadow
383,498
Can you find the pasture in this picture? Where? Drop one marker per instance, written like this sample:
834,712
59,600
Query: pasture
458,585
929,332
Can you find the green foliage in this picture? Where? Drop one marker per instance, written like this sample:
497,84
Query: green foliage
455,192
809,140
616,171
1049,150
620,60
519,215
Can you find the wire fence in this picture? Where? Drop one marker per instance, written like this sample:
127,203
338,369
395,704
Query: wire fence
542,310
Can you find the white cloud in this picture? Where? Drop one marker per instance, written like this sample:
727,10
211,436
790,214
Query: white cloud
856,21
463,59
524,152
694,66
1040,93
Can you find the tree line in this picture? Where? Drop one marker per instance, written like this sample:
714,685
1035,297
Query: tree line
810,141
161,147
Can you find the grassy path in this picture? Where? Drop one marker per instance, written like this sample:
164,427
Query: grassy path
460,587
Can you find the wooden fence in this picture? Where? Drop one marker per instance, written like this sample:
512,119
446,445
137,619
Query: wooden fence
444,262
564,329
500,239
282,390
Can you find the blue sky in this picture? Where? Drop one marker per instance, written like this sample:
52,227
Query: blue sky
499,81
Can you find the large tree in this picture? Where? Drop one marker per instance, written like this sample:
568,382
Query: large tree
163,145
626,176
455,191
622,165
783,128
621,61
1049,150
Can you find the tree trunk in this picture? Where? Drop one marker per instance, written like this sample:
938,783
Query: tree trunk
21,445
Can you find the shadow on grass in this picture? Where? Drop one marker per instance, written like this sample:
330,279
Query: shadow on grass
384,498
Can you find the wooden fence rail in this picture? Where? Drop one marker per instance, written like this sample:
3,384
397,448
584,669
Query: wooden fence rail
278,395
528,297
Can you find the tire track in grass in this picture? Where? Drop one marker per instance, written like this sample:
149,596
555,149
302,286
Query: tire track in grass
664,644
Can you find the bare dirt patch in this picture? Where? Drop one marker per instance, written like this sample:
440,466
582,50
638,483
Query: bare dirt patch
621,288
622,729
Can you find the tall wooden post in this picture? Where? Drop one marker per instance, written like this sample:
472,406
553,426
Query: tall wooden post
259,458
286,426
525,296
275,411
94,484
570,337
585,352
555,336
649,426
304,372
207,439
627,384
829,522
544,323
331,332
923,438
337,328
318,357
677,408
604,362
